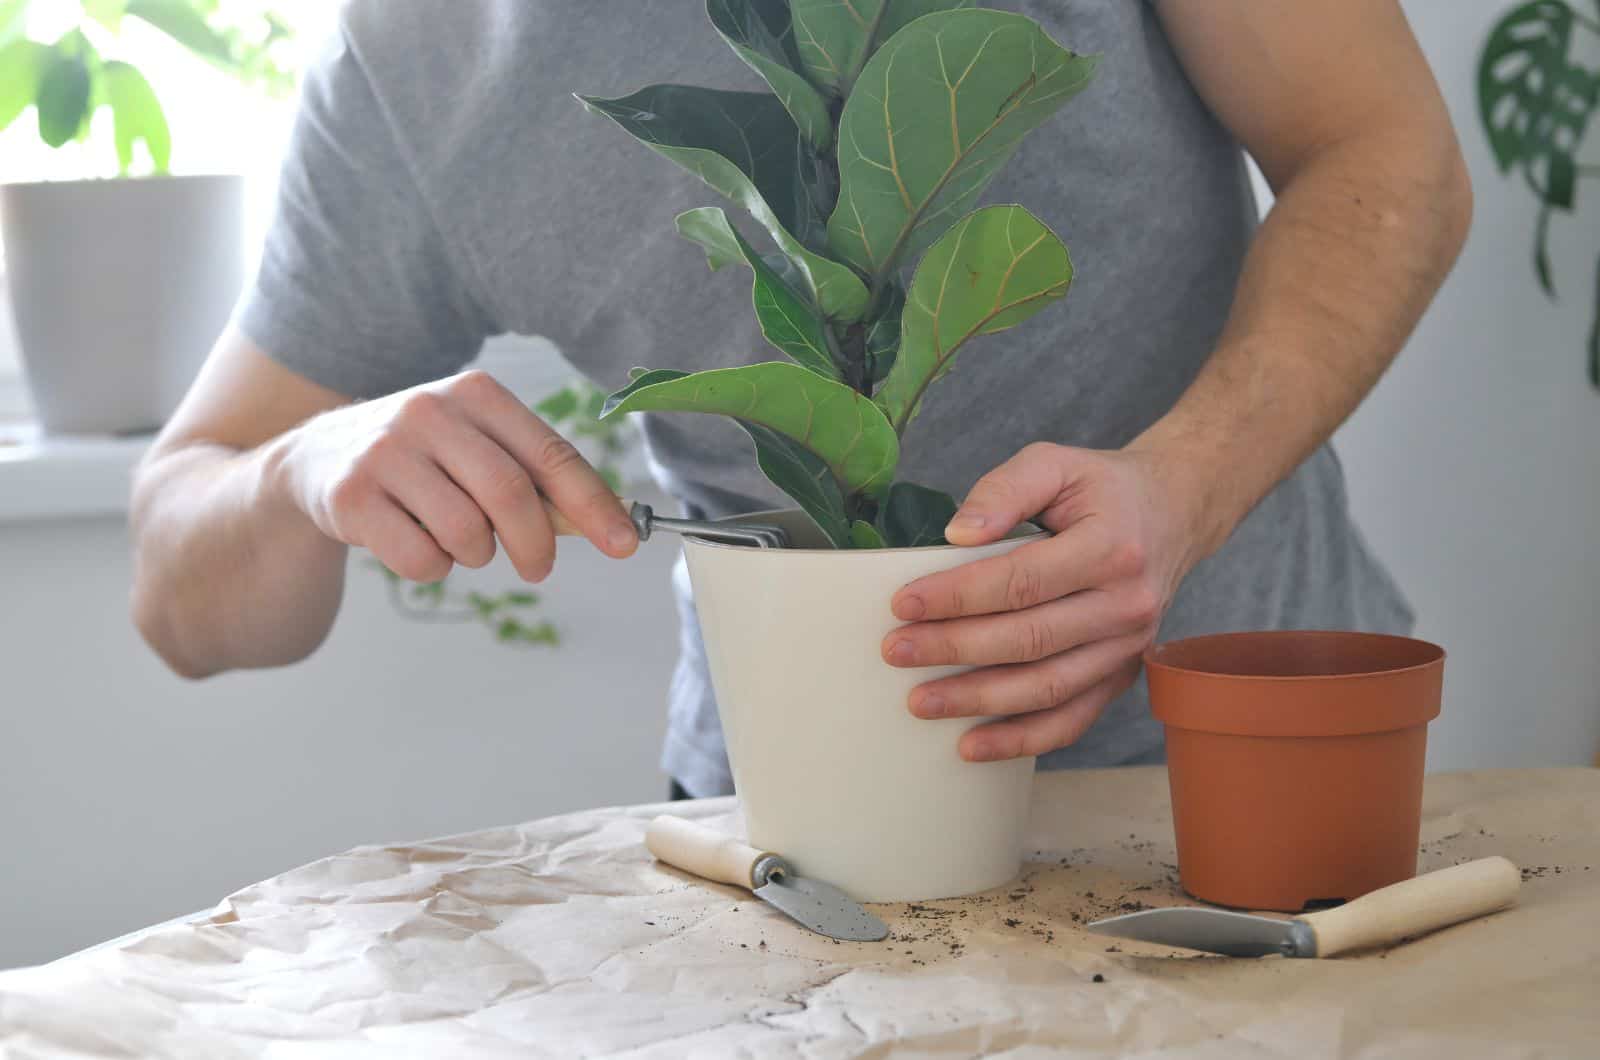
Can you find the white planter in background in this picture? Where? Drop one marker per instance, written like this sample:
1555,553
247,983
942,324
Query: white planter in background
832,771
118,289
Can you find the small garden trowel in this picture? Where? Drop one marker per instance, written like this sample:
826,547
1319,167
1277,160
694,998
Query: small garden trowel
819,906
646,522
1378,918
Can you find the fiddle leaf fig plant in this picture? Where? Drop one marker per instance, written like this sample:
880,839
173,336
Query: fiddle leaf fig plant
886,121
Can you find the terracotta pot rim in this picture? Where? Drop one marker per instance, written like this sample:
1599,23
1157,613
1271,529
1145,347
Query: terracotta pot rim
1152,655
1027,530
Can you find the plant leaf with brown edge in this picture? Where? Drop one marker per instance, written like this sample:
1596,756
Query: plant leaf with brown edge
835,38
842,427
787,319
994,269
913,516
745,145
760,33
935,114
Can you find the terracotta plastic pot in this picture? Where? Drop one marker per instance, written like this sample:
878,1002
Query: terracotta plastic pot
832,771
1295,760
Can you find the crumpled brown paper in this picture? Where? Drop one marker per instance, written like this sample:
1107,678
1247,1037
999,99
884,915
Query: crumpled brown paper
562,938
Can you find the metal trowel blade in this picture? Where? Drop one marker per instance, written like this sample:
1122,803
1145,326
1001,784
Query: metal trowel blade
1210,930
821,907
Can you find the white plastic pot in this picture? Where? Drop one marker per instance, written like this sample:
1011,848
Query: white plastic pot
118,289
832,770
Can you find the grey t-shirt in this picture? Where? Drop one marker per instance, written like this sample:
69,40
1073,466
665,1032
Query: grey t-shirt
444,186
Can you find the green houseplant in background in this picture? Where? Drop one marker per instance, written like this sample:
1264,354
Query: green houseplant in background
1535,101
886,121
163,256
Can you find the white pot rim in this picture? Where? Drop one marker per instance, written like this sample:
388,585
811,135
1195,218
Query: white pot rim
146,178
1024,531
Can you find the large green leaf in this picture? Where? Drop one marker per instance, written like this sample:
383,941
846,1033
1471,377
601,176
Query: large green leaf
913,516
805,477
745,145
63,97
136,115
786,317
760,33
183,22
842,427
996,268
936,113
883,333
836,37
1532,99
22,62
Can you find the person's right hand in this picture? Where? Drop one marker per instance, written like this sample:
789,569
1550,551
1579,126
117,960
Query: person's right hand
431,476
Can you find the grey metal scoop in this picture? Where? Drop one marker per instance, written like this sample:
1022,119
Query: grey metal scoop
647,522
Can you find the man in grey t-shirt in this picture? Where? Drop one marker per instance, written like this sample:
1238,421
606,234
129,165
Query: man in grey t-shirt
1169,422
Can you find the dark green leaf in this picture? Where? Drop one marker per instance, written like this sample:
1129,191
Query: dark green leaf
836,423
135,115
745,145
864,535
994,269
836,37
883,334
485,606
759,33
22,62
1594,335
786,317
1561,179
63,100
183,22
558,406
937,111
914,516
1532,100
805,477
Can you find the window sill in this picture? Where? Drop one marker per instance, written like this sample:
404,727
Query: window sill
64,478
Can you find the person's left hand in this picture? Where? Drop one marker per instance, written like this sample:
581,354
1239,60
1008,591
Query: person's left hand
1056,627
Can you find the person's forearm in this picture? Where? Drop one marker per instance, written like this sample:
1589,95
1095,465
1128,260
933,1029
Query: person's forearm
221,557
1358,242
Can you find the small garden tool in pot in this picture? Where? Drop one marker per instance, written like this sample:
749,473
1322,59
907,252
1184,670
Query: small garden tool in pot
1378,918
819,906
646,522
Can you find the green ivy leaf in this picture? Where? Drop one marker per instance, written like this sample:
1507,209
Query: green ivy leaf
913,516
804,477
745,145
760,33
996,268
63,99
558,406
842,427
786,318
22,63
836,37
864,535
135,115
520,599
914,156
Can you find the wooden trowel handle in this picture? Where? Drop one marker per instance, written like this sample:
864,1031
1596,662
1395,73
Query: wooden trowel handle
1416,907
565,527
702,851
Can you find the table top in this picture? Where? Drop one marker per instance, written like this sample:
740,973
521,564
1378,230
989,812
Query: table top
563,938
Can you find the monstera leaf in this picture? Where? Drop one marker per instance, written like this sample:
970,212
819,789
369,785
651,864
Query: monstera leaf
760,33
836,37
836,423
935,114
996,268
786,317
745,145
1535,103
913,516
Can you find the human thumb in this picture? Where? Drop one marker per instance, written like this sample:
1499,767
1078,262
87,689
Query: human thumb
1018,489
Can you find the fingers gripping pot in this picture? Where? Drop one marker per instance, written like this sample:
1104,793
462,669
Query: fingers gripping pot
830,766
